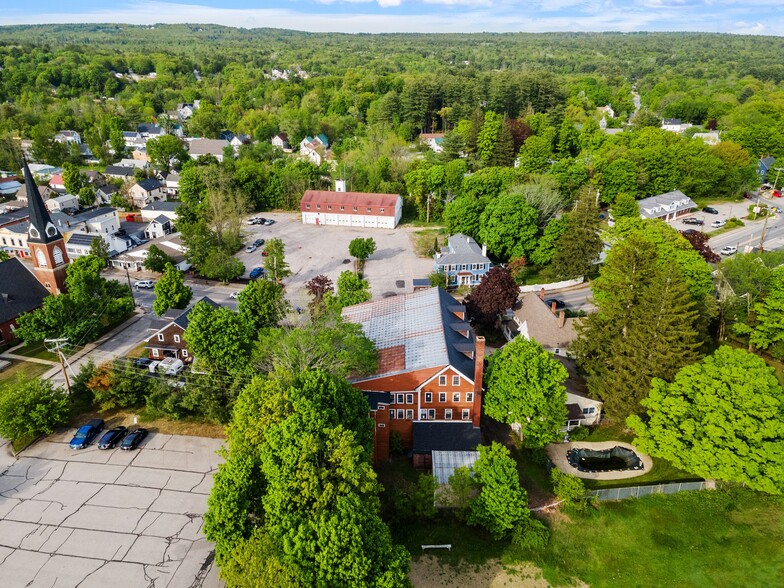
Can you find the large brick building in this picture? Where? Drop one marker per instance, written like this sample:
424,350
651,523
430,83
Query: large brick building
428,387
351,209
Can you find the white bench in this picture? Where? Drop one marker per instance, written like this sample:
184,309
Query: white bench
444,546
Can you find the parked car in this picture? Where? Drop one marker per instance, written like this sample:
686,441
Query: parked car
258,242
144,284
86,433
717,224
120,232
710,210
142,362
269,222
133,439
253,220
234,295
111,438
256,272
729,250
250,249
765,187
559,304
171,366
264,253
693,221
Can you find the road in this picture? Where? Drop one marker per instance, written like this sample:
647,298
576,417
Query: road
216,291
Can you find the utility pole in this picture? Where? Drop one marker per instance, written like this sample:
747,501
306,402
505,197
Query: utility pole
778,171
58,349
128,276
762,234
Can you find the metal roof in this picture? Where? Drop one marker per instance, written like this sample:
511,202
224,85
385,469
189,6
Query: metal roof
446,462
349,200
416,331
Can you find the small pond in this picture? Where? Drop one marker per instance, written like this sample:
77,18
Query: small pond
617,459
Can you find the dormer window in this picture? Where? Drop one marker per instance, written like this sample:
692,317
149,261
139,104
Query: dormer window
51,231
34,234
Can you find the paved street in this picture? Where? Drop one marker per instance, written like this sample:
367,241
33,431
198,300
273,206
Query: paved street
96,518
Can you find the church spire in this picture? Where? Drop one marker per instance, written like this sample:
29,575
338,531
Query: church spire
42,229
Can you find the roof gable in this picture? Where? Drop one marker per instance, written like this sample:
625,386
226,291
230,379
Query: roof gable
20,291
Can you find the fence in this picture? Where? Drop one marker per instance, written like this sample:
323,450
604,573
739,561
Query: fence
639,491
552,285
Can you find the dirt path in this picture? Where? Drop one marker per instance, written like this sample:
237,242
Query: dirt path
427,572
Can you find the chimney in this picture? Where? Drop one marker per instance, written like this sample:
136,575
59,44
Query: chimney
541,293
561,319
553,305
5,297
479,366
484,250
340,185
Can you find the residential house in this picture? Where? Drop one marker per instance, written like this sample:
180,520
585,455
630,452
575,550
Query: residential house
186,110
133,139
45,191
146,191
533,319
238,141
116,171
215,147
351,209
20,292
80,244
765,164
162,207
666,207
172,245
169,341
462,261
581,411
158,227
102,222
43,171
314,149
9,184
433,140
281,140
68,137
709,138
13,237
61,203
674,125
606,111
57,184
150,131
104,193
87,154
172,183
428,386
135,163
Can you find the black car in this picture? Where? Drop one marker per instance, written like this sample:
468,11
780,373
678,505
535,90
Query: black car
133,439
142,362
693,221
110,438
559,304
86,433
710,210
258,242
121,233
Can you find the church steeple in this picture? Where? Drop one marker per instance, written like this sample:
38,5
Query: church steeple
46,243
42,229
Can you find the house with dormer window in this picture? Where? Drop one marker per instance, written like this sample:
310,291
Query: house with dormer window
667,206
462,261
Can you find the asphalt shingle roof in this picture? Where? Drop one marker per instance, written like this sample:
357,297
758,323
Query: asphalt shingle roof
25,292
445,436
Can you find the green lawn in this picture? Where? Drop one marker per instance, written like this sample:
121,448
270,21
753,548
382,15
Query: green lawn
692,539
27,369
36,351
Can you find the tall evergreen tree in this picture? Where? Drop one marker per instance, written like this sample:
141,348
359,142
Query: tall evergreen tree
579,245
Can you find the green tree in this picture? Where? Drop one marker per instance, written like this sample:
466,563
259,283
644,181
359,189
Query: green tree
546,245
73,179
525,386
219,265
261,303
255,562
438,280
463,214
508,226
536,154
578,247
157,259
219,338
718,418
275,260
166,152
86,196
625,206
31,407
361,249
570,489
117,385
100,248
171,291
319,287
501,503
351,290
768,330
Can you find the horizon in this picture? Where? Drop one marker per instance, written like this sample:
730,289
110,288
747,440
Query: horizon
756,17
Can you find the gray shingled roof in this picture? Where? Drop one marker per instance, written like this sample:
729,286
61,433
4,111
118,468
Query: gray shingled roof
445,436
663,204
423,325
182,320
116,170
461,249
25,292
163,205
149,184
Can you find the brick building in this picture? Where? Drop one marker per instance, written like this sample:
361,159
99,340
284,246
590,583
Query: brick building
351,209
20,292
429,380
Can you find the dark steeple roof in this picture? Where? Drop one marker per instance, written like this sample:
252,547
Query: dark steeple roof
42,229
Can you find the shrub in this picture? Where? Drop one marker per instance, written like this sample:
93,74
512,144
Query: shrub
579,434
568,488
30,408
396,443
531,534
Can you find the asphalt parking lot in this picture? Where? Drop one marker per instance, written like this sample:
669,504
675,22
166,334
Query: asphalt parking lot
312,250
95,518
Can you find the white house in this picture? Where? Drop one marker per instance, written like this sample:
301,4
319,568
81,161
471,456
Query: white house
582,411
666,207
351,209
60,203
172,183
433,140
281,140
199,147
607,111
533,319
158,227
709,138
133,139
674,125
68,137
238,141
146,191
56,183
314,149
163,207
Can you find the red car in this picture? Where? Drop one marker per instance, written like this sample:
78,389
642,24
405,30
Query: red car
776,194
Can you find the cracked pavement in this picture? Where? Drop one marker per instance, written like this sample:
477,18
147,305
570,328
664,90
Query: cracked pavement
91,518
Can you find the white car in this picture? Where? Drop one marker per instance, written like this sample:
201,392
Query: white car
253,220
234,295
729,250
717,224
144,284
250,249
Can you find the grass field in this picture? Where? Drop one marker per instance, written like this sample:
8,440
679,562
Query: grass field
36,351
23,368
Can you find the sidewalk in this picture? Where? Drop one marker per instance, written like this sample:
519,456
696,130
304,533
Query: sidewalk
16,357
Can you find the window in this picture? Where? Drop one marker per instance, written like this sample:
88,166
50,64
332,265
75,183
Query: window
455,396
4,243
448,414
381,210
155,353
442,396
409,399
469,396
160,336
410,415
428,397
381,425
355,209
47,285
423,415
40,258
369,209
455,380
431,414
442,380
392,414
400,414
318,206
589,410
176,338
400,398
185,353
307,206
466,414
342,208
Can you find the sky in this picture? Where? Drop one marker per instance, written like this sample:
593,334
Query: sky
760,17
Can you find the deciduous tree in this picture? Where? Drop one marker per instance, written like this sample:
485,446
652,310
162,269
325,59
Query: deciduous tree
219,338
171,291
31,407
495,293
262,304
166,152
351,289
509,226
157,259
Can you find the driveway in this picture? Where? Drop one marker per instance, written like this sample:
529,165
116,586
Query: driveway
312,250
94,518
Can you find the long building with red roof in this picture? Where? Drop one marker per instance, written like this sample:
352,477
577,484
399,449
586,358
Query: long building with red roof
351,209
